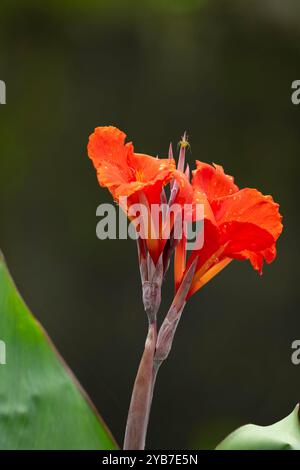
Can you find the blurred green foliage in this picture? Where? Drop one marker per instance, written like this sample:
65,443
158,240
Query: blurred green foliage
42,405
283,435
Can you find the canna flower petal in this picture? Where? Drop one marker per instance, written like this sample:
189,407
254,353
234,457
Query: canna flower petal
124,172
200,281
149,175
109,154
213,181
249,223
257,258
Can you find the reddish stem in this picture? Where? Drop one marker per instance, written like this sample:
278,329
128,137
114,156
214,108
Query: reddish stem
140,405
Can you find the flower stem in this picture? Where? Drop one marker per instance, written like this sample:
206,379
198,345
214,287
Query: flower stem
140,405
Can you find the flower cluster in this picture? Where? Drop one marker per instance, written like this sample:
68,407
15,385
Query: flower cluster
238,223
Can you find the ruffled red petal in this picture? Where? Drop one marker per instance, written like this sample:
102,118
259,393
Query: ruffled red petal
213,181
109,154
124,172
249,224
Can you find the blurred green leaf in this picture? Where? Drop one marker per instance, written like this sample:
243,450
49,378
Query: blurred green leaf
284,435
42,406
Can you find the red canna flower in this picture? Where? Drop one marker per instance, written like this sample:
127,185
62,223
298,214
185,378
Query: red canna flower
136,176
238,224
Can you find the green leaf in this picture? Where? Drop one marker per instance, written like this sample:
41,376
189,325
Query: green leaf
284,435
42,406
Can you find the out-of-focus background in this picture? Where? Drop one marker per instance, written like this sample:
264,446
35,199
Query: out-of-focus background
222,70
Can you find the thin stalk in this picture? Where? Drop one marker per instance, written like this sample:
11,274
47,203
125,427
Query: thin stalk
157,349
140,405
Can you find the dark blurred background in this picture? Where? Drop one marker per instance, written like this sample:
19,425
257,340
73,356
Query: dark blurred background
222,70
